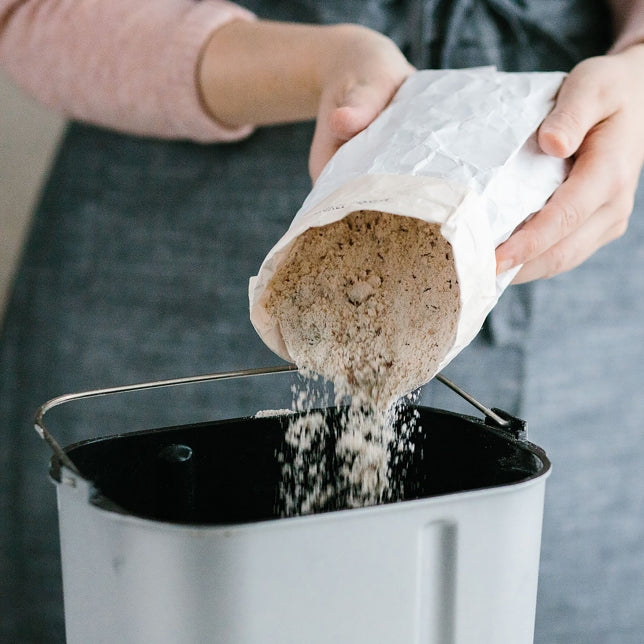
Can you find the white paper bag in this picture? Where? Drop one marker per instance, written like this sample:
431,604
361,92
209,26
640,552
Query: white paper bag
454,147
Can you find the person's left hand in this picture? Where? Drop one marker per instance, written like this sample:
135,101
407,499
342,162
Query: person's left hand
598,121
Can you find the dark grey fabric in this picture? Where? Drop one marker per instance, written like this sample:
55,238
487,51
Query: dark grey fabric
137,268
574,371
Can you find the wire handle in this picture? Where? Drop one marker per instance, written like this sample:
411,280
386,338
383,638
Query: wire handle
64,460
490,413
59,452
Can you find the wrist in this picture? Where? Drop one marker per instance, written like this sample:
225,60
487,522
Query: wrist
633,50
623,44
357,55
628,17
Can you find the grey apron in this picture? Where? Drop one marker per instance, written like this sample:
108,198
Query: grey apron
137,267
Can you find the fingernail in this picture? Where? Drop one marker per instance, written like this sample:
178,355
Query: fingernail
503,266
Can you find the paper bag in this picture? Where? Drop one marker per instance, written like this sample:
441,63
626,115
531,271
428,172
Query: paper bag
454,147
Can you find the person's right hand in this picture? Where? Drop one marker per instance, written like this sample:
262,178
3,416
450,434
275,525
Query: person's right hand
262,73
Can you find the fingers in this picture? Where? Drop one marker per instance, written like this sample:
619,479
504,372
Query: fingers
363,71
339,122
588,210
323,147
359,108
599,230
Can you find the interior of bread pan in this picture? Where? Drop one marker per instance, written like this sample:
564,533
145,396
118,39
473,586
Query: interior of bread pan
228,471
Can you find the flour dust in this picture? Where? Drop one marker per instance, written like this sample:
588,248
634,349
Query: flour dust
370,304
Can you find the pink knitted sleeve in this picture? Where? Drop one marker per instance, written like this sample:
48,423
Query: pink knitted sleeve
129,65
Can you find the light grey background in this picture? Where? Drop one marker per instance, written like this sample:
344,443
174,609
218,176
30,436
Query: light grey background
28,137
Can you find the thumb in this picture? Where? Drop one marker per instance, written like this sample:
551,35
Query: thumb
577,109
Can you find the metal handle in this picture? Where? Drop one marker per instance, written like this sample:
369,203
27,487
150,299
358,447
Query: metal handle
490,413
60,454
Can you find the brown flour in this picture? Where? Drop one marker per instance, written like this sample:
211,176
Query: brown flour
371,304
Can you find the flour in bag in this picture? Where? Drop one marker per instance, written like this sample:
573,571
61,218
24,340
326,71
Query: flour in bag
370,303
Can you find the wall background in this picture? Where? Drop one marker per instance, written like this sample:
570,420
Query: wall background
28,137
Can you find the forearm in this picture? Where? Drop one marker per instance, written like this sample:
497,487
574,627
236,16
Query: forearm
124,64
262,72
269,72
628,19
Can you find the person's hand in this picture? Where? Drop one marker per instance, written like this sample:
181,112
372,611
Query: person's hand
263,73
598,121
359,77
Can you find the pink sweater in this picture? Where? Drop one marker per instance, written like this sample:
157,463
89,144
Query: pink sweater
129,65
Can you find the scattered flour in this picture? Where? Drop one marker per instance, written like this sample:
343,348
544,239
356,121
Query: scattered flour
370,303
